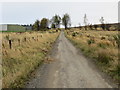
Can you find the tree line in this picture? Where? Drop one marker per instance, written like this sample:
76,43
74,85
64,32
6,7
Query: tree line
55,22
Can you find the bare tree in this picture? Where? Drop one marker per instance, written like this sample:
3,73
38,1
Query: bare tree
102,20
85,21
80,26
102,23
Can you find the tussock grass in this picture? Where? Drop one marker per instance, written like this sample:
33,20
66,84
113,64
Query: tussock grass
104,56
27,52
100,45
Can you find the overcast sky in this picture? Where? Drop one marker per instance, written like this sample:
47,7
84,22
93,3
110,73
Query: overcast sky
28,12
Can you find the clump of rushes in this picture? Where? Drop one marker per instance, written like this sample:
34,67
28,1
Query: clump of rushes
102,38
74,34
105,43
90,41
117,38
104,57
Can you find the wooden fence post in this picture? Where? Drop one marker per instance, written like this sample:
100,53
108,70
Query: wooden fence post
19,41
25,39
10,44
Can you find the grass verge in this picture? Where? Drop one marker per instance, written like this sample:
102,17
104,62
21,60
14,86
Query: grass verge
27,52
101,46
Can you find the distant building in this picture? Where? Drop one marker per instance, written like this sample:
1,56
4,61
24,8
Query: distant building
11,27
28,27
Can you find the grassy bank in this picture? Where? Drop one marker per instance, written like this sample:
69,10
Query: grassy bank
101,46
22,53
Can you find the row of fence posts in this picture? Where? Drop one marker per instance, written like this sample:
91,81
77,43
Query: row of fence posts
25,39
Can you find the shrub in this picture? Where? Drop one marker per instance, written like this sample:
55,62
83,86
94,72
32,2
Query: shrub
91,27
103,26
90,41
95,26
74,34
107,26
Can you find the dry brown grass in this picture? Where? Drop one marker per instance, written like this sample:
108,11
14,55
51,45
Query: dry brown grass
27,52
99,45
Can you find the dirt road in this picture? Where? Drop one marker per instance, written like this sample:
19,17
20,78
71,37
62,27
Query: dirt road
70,69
